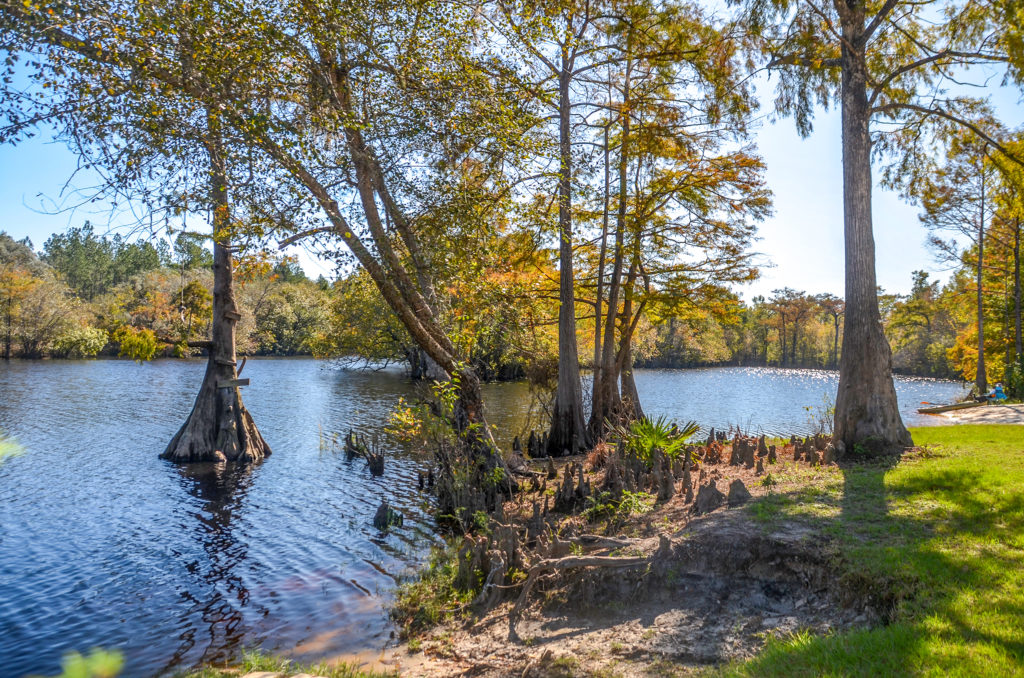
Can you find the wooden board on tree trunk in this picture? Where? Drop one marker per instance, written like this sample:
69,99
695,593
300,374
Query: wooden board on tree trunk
232,383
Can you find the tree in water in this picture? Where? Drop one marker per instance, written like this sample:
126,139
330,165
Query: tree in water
140,123
684,201
557,45
219,428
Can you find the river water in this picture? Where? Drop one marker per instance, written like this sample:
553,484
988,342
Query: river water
104,545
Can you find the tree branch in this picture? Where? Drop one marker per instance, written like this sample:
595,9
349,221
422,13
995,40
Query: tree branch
952,118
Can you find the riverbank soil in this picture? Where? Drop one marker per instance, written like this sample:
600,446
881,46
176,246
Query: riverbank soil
909,567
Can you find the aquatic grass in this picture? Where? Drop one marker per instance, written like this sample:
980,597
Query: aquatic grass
9,447
431,596
99,663
256,660
936,544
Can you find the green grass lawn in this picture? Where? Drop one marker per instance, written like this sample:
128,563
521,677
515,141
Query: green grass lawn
937,540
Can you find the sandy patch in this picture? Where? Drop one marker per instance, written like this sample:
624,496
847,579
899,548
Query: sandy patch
990,414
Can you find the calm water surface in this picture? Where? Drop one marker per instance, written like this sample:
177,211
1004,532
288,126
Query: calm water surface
102,544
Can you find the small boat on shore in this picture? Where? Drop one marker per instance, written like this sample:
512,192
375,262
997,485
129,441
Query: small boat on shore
939,409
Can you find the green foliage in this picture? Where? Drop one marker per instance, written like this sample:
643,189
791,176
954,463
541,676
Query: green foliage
361,324
291,318
138,344
255,661
1014,385
190,252
92,265
97,664
35,310
616,509
430,597
79,342
643,436
821,418
404,421
18,254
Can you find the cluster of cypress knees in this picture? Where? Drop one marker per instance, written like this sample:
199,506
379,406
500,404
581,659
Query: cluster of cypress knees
488,559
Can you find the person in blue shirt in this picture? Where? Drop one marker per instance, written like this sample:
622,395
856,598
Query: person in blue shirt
997,393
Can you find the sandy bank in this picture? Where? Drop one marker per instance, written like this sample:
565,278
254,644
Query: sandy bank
990,414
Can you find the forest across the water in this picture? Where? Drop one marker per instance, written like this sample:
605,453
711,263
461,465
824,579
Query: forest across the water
87,294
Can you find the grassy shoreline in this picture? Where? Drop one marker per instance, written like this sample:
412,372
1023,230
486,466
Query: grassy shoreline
939,538
256,661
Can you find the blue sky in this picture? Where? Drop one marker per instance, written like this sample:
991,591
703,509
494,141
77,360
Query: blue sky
801,245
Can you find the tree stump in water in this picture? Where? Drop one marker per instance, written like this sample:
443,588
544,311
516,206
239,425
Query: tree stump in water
354,446
386,517
219,428
375,460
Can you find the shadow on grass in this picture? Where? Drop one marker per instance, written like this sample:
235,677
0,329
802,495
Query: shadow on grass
934,546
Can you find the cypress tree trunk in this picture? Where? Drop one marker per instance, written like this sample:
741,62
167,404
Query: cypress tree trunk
219,427
867,412
568,434
630,394
1016,289
835,344
605,407
980,378
596,391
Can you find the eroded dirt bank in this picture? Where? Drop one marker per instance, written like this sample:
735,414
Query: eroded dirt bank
699,590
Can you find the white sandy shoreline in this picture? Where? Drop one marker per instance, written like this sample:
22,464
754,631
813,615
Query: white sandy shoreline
990,414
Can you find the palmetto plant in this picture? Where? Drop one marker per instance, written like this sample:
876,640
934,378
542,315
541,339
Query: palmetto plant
643,436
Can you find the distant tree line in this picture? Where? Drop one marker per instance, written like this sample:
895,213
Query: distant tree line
85,295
